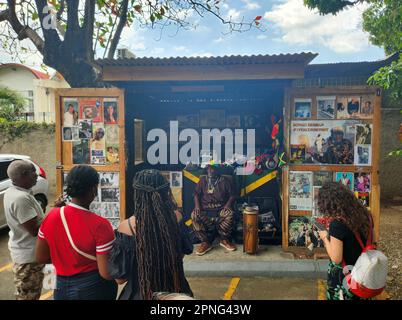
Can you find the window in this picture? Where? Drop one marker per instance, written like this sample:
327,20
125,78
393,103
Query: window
139,129
3,170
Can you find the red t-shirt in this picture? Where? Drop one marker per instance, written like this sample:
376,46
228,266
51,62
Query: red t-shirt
90,233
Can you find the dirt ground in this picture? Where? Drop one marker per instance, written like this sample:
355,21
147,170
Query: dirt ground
391,244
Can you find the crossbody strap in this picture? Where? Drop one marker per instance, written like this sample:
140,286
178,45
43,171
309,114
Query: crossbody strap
63,219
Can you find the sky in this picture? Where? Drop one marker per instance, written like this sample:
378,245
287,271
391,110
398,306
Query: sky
290,27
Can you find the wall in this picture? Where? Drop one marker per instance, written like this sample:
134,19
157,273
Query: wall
390,166
40,146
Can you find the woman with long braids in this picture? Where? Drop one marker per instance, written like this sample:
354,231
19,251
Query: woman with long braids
150,245
349,219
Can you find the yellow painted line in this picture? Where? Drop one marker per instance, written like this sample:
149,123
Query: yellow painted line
189,222
6,267
256,184
46,295
321,290
232,288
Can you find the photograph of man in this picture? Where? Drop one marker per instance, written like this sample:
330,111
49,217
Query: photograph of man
67,134
367,109
213,197
70,115
339,150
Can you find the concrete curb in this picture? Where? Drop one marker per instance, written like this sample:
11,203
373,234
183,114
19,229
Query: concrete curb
312,269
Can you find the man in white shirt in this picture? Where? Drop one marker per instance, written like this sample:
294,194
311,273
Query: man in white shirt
23,215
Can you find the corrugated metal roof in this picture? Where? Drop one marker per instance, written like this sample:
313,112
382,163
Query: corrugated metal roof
304,57
347,69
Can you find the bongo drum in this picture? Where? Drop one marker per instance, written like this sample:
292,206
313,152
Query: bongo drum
250,229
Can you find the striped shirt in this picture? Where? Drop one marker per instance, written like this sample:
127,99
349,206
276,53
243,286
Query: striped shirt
90,233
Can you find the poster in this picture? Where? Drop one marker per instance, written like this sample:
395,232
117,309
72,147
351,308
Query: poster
233,121
112,134
364,198
91,109
347,107
297,153
110,111
110,195
302,108
321,177
326,107
346,178
362,182
300,190
109,179
212,118
112,153
316,211
302,233
362,155
367,107
363,133
189,120
176,179
81,152
325,141
98,145
98,157
106,210
70,115
85,129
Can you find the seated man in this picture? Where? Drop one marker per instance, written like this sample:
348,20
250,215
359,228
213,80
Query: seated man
213,198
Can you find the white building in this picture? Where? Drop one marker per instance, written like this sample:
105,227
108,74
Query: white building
37,87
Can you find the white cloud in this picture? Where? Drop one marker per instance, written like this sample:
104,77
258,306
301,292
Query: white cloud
262,37
299,25
251,5
218,40
180,48
156,52
233,15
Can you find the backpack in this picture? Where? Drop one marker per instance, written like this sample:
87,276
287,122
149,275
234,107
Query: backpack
369,274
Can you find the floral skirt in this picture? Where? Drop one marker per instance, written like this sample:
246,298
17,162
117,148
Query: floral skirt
335,288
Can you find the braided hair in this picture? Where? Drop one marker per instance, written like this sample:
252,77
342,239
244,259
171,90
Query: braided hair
80,180
158,246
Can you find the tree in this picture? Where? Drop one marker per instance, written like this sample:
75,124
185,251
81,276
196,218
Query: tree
12,104
69,32
383,21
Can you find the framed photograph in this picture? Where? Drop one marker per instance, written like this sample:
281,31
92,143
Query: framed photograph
189,120
366,107
212,118
297,153
302,109
81,152
302,233
325,141
176,179
91,109
85,129
109,179
110,111
67,133
362,182
346,178
233,121
300,190
363,134
110,194
326,107
70,115
362,155
98,157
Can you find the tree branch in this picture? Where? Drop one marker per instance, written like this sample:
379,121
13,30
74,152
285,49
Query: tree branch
73,26
4,15
119,29
88,28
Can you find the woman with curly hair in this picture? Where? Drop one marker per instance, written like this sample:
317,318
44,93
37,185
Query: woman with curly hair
348,218
150,245
78,242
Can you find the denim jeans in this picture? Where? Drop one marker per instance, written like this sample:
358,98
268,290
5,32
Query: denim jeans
85,286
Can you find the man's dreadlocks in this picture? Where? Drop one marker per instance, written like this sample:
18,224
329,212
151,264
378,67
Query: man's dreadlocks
157,235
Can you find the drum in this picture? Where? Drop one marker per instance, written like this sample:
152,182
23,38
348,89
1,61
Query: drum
250,229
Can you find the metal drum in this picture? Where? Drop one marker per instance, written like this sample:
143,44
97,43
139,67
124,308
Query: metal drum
250,229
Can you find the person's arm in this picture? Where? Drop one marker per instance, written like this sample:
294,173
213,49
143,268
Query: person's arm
197,195
104,238
32,226
333,246
102,260
232,197
229,203
42,252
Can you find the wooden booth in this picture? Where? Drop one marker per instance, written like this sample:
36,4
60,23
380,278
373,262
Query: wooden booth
108,128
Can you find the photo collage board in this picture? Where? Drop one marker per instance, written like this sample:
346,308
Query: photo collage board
107,202
328,130
91,125
175,179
